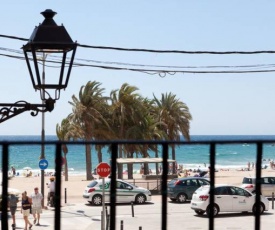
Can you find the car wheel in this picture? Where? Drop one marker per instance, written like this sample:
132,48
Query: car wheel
140,199
261,208
181,198
215,210
199,212
97,200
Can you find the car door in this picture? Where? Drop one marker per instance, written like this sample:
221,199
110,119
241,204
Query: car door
124,192
223,198
191,186
107,185
242,200
267,186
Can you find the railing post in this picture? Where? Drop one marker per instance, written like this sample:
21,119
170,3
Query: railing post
5,169
258,183
57,200
164,186
212,183
114,151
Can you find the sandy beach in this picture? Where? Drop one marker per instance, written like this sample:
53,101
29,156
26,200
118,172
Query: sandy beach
76,184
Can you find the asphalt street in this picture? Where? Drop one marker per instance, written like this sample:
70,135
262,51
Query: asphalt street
84,216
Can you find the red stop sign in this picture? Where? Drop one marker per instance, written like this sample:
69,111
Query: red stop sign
103,169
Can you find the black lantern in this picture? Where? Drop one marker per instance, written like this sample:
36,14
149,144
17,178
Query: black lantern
49,39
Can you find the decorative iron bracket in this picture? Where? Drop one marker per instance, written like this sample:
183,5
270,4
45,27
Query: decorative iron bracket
8,111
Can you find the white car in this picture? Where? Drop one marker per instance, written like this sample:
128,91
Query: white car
226,199
267,185
125,192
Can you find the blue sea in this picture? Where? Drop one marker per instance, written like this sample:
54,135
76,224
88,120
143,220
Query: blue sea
190,156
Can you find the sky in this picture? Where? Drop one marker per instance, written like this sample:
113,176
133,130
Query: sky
220,104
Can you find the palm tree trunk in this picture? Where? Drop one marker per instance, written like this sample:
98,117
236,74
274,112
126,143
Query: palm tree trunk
120,166
66,168
130,167
157,164
89,175
174,158
99,154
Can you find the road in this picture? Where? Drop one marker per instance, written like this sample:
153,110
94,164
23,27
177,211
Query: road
148,216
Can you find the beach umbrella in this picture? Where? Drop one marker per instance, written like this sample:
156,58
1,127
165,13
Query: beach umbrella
27,168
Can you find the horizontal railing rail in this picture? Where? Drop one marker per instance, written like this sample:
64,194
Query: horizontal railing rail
114,155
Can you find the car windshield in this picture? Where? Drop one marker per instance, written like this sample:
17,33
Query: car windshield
248,180
172,181
92,184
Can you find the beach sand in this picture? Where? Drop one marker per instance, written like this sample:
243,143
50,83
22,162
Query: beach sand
76,184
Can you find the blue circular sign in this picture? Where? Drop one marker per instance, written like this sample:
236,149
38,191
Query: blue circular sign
43,164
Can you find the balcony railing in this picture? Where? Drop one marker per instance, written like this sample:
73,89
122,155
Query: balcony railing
114,155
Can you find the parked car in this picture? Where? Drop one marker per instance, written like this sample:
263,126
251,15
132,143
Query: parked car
226,199
267,185
182,189
125,192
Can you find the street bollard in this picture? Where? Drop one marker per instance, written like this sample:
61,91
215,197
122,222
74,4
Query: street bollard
121,225
107,218
273,200
107,221
132,204
65,195
140,228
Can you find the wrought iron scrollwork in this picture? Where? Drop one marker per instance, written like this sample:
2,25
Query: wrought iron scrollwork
11,110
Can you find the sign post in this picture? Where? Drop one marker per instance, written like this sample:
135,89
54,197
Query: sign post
103,170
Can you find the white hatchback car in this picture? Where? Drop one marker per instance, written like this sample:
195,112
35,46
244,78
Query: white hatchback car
125,192
226,199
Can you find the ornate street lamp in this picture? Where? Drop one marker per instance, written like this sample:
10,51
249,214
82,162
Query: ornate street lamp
47,39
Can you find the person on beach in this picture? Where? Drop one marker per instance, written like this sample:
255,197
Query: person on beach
13,171
12,203
207,174
248,166
51,189
37,205
26,209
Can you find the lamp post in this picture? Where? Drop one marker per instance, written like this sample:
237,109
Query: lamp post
47,39
42,156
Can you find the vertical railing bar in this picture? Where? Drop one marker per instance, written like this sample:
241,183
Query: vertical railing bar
164,186
212,183
258,183
57,197
114,151
5,169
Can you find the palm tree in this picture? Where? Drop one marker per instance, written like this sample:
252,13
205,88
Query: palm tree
175,114
87,116
126,110
62,134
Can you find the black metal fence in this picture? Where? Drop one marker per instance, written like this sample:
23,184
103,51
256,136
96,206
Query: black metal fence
114,155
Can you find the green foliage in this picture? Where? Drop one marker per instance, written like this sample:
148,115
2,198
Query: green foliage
124,115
